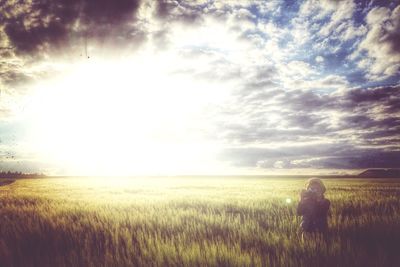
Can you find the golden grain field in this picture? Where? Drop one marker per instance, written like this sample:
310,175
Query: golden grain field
193,221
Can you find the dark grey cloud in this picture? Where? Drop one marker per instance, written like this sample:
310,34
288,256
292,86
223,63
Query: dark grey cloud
306,100
360,159
353,100
321,156
362,121
261,79
372,95
356,128
258,133
42,26
387,96
305,120
290,153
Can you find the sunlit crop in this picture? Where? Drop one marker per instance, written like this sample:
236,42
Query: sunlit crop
193,221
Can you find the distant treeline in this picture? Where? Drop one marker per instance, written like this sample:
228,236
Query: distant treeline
17,175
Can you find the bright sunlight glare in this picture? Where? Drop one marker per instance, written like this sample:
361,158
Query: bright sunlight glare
124,117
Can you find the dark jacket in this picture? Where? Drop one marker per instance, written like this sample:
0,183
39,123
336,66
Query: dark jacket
314,212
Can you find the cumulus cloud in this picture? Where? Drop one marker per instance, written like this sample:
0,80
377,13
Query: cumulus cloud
319,59
382,43
322,17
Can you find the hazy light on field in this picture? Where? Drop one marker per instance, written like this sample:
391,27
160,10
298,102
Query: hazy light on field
121,191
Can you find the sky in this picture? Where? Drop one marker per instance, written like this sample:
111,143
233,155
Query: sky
126,87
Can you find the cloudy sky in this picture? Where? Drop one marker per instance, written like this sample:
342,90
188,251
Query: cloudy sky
203,87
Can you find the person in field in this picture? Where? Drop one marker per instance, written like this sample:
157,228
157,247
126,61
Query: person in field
313,207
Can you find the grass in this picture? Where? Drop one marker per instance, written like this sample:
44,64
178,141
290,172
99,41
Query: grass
193,222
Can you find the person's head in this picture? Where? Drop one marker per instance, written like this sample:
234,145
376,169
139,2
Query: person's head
316,185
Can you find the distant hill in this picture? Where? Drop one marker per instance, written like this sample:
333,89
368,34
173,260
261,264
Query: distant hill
380,173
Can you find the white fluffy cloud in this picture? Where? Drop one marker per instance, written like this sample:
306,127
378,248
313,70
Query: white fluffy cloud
340,11
381,44
319,59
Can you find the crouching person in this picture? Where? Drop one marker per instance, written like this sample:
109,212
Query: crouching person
314,208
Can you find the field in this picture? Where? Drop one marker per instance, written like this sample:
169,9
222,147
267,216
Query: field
193,221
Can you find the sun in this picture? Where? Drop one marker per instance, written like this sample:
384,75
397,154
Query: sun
122,117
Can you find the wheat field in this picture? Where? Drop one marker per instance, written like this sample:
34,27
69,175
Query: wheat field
194,221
